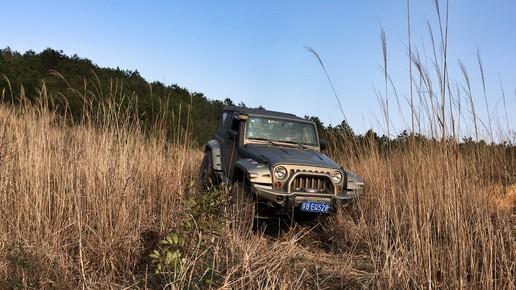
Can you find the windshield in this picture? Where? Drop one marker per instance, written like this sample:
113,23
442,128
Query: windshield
279,130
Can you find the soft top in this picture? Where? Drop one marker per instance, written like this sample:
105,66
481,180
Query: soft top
262,112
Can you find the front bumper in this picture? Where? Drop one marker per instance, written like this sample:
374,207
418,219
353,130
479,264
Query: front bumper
294,199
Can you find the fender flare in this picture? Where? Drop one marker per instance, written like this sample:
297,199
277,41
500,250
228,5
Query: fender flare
255,172
214,146
353,181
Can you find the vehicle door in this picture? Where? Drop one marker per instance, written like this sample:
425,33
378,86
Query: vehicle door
230,147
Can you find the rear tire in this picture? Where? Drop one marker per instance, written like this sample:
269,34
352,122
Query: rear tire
243,205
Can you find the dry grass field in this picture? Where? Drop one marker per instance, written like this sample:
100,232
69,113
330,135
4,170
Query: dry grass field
83,206
107,203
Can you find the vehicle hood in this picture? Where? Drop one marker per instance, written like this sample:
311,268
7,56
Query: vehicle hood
286,155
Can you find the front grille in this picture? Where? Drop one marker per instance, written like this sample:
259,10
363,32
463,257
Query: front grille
311,183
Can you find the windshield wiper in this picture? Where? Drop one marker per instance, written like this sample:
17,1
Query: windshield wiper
278,142
265,139
295,143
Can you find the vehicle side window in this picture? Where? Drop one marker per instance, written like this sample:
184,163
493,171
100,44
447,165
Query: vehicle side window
235,124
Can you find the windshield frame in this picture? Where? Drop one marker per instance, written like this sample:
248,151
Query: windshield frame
280,142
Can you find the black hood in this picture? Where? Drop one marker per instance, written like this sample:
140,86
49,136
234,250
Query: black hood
286,155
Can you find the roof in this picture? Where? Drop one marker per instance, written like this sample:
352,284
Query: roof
262,112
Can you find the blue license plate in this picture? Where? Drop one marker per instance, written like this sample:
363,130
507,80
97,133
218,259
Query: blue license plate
311,206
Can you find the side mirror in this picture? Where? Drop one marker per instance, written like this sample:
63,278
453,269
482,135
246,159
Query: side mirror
323,144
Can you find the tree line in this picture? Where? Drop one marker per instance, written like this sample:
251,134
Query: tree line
77,86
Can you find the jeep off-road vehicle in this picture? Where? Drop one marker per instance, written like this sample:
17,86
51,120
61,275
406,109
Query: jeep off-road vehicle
274,161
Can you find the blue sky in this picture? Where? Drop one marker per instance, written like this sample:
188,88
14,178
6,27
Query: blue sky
253,51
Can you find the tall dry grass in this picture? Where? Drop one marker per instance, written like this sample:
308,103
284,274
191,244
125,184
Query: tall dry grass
441,217
76,201
83,206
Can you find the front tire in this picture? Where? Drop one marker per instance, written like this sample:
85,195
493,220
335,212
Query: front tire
207,178
243,207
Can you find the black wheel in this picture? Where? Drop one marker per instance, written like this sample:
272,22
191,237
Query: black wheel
207,178
243,208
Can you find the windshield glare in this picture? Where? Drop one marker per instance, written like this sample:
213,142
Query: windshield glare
280,130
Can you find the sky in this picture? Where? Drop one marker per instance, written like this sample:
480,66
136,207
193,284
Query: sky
254,51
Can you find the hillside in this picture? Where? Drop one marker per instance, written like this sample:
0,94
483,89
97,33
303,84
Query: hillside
78,89
74,83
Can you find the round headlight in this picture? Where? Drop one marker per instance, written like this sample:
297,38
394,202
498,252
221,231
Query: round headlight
280,172
336,177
